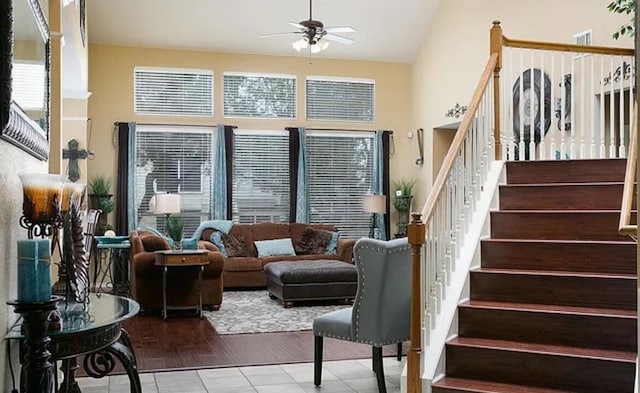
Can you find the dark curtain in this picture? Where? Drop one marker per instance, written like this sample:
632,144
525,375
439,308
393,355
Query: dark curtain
386,136
294,155
122,182
228,144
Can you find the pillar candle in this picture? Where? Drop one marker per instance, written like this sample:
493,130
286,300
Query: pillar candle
34,270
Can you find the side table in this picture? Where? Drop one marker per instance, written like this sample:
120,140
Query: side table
181,259
111,274
94,330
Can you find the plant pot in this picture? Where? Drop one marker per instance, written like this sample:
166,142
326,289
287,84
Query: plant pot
96,202
403,207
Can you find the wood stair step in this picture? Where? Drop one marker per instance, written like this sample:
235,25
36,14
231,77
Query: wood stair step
564,255
549,324
561,196
462,385
616,291
550,366
566,171
560,225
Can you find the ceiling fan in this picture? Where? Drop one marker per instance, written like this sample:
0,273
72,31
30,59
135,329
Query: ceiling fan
315,35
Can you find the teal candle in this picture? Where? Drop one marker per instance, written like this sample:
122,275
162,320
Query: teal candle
34,270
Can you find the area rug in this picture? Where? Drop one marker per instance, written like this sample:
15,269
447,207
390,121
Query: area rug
254,312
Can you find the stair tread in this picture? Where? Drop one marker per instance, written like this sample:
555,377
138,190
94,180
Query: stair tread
557,241
559,211
556,309
556,273
547,349
602,183
479,386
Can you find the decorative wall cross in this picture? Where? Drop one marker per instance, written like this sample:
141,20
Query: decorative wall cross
73,154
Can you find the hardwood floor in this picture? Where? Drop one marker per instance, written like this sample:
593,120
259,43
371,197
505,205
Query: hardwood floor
188,343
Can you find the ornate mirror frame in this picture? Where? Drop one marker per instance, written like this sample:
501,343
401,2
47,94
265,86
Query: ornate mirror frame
15,126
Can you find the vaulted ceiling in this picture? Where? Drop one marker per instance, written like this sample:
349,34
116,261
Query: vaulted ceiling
386,30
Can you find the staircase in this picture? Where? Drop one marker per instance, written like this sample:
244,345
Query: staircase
553,306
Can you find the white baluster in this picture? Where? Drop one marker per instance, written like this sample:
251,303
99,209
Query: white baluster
592,128
552,145
563,94
621,148
542,149
572,146
603,147
612,94
521,145
583,128
532,114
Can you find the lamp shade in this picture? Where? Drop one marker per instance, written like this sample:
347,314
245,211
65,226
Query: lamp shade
375,203
167,204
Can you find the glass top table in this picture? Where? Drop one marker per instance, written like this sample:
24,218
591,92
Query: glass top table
94,330
102,310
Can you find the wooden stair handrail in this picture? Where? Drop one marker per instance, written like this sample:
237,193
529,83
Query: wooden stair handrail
458,140
554,46
625,227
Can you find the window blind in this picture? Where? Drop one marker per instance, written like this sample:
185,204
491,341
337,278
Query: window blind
28,85
260,176
340,100
174,159
173,92
262,96
340,172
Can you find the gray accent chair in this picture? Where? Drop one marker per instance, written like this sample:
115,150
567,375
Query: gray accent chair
382,308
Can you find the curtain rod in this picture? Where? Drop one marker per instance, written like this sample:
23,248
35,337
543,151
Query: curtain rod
339,129
115,123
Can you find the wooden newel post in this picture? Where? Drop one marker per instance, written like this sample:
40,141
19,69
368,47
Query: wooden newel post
416,233
496,42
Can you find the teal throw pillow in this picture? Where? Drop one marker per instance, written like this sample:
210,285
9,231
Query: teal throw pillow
189,244
216,238
267,248
332,247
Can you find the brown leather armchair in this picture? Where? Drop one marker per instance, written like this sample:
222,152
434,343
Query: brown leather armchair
182,288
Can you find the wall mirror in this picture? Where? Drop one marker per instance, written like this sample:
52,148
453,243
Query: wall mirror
24,76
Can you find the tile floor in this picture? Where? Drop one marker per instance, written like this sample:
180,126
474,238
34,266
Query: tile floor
346,376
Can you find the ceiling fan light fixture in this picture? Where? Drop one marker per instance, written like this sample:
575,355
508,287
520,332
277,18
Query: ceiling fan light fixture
300,44
315,48
324,44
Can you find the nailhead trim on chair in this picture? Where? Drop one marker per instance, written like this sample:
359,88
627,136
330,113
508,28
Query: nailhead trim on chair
357,316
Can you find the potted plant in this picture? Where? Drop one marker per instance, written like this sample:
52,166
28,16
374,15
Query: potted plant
100,198
175,226
404,195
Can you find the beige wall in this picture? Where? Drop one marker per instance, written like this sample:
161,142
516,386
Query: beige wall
12,161
456,48
111,83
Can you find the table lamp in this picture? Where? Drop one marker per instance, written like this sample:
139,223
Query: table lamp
167,204
374,204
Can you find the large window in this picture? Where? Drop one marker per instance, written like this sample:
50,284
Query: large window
174,159
260,176
340,171
258,95
340,99
159,91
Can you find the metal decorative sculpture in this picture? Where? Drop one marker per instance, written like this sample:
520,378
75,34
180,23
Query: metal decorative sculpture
74,257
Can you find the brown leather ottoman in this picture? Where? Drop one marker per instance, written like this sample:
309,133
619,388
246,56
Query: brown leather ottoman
311,280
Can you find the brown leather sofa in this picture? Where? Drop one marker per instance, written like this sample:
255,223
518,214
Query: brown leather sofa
182,288
248,271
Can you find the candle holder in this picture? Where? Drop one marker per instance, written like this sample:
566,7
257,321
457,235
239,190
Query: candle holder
41,204
37,369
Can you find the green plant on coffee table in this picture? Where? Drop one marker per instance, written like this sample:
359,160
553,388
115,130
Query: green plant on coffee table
175,226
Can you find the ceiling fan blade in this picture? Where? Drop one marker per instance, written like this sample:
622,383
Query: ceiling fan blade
297,25
279,34
341,29
337,38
